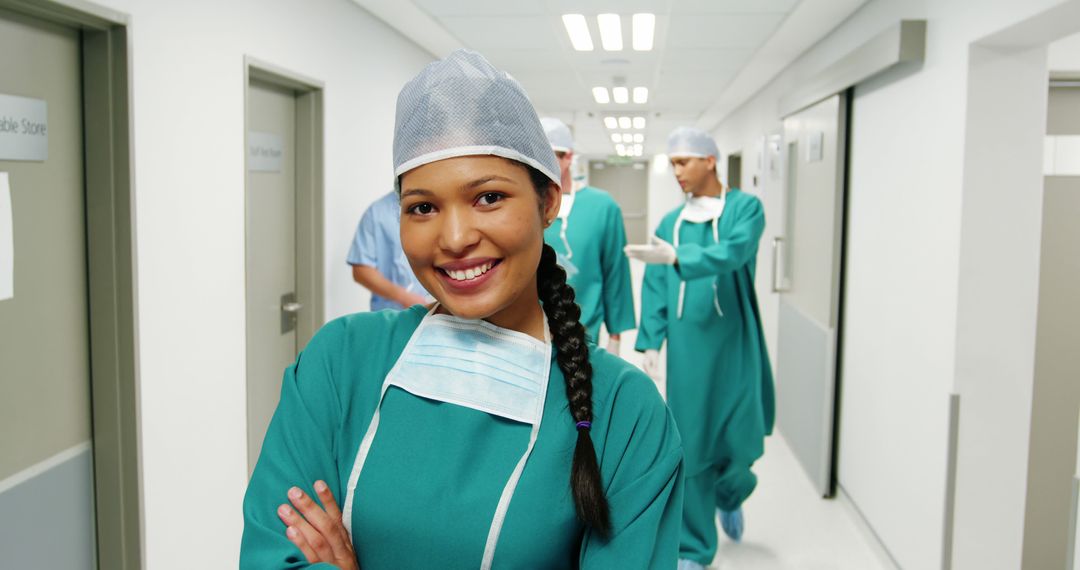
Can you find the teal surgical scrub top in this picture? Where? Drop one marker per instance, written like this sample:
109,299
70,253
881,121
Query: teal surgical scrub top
435,472
601,273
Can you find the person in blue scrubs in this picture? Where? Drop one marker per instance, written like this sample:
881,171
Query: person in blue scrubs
485,430
698,297
589,237
377,261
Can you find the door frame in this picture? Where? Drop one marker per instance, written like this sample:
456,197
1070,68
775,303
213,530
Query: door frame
309,189
111,270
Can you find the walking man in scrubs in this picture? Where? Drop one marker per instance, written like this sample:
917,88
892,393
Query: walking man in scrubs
589,238
378,262
699,296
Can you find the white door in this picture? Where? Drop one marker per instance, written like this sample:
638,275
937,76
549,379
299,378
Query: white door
46,477
811,253
270,252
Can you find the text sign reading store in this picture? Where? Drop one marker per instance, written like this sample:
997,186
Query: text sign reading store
24,128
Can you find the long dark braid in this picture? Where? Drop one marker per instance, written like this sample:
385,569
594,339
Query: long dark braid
572,354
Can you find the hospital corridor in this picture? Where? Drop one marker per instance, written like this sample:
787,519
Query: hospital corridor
540,284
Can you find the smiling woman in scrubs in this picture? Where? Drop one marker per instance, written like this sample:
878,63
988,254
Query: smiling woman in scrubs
482,432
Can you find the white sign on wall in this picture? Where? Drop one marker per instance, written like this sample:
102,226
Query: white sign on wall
265,152
7,241
24,129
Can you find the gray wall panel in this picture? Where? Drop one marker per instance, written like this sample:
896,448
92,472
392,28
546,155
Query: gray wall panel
48,521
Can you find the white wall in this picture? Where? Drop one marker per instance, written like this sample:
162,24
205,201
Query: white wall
906,175
187,93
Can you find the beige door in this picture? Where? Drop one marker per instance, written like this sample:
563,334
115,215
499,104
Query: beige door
628,184
270,252
46,481
809,285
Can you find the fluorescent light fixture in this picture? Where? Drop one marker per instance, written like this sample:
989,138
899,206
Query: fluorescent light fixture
628,137
610,31
624,122
578,30
638,149
621,149
639,138
641,95
621,95
616,138
644,25
639,123
611,122
601,95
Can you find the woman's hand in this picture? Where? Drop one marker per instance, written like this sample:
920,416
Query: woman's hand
318,533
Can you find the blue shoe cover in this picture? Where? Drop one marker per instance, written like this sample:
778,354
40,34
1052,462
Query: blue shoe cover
733,524
685,564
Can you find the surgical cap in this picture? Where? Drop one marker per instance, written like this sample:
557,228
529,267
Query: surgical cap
689,141
558,134
463,106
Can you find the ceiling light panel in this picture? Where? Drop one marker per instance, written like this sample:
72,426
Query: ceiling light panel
610,31
616,138
639,123
621,94
625,123
641,95
601,95
644,28
611,122
578,30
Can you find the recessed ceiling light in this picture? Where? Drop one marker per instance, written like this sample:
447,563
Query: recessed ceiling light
621,95
638,149
639,138
610,31
611,122
624,122
644,25
621,149
616,138
578,30
639,123
641,95
601,95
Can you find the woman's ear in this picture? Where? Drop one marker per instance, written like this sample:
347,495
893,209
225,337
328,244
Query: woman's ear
552,201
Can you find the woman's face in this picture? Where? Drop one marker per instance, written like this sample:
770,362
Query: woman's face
472,228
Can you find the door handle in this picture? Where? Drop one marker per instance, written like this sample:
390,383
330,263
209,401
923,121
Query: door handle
777,278
289,310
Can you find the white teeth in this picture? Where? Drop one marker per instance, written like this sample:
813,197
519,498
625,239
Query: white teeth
469,274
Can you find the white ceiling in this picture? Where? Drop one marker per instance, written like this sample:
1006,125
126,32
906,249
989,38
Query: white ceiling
700,47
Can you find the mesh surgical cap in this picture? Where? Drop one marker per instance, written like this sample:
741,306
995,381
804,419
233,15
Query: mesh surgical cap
689,141
558,134
463,106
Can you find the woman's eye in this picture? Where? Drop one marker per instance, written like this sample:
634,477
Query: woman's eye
490,198
422,209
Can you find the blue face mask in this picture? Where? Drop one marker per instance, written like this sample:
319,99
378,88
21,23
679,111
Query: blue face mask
475,364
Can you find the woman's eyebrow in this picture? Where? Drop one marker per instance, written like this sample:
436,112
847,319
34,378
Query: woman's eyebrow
417,192
485,180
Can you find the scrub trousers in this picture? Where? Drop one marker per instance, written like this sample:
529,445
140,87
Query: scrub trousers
715,488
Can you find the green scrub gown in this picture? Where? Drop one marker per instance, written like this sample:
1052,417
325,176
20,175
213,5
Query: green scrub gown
432,480
719,380
601,285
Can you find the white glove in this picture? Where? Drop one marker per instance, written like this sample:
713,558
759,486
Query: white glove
652,364
613,345
657,252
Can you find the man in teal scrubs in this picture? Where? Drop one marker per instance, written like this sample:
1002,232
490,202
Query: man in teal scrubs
699,296
589,237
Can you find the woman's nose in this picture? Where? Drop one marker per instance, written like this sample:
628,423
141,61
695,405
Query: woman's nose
459,233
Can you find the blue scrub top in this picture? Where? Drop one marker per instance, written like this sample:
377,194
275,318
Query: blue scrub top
377,244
